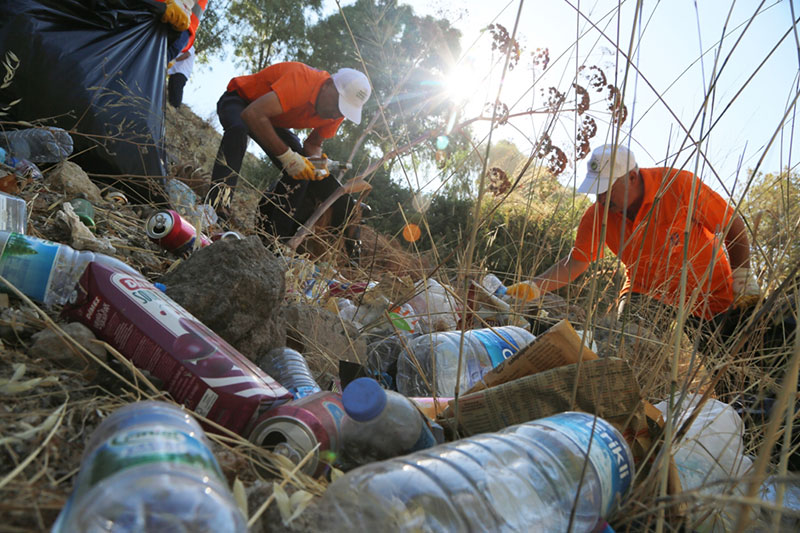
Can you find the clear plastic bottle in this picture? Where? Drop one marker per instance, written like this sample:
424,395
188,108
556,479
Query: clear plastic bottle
45,271
524,478
149,467
289,368
493,284
13,214
435,308
38,145
381,424
437,357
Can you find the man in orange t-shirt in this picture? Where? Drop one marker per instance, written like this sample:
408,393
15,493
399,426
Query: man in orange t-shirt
264,106
647,229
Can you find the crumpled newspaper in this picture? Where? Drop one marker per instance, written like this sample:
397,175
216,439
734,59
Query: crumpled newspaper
82,237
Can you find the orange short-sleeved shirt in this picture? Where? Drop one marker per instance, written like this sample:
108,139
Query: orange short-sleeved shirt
297,86
651,247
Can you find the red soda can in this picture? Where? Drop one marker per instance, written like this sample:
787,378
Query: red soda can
295,428
172,232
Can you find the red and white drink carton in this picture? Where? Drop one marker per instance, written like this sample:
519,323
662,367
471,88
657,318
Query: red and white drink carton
198,368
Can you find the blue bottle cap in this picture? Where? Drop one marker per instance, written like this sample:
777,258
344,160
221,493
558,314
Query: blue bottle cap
363,399
160,286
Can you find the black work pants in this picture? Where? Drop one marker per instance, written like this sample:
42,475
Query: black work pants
175,89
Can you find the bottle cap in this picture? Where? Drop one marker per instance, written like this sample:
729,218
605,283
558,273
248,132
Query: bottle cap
363,399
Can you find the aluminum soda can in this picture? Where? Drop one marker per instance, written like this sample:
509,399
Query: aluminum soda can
295,428
226,235
172,232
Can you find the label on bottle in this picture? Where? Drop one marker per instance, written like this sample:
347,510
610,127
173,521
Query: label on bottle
425,440
499,348
609,453
27,263
144,445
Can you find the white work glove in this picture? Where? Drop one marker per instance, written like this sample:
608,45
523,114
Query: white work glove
297,166
746,291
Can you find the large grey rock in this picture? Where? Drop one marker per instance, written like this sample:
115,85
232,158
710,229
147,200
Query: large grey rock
322,337
70,179
235,287
49,344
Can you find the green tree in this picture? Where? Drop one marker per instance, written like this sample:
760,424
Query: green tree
772,208
262,31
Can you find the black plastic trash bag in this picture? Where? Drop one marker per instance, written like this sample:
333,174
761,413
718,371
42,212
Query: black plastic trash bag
96,68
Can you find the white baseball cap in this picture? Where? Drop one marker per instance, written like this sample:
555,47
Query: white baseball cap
354,90
600,173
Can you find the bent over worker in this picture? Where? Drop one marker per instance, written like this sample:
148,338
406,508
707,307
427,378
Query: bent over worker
647,229
264,106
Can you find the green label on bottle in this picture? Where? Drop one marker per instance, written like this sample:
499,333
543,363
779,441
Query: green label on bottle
149,445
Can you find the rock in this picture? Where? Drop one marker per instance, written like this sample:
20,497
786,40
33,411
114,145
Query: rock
70,179
235,287
49,344
322,337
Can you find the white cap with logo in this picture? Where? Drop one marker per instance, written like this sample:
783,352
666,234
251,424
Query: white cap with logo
601,173
354,90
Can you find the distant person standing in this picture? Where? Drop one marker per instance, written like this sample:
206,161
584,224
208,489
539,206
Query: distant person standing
179,72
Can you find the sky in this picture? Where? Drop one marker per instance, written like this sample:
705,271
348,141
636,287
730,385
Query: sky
676,49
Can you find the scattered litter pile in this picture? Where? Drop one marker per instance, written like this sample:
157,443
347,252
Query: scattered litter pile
320,396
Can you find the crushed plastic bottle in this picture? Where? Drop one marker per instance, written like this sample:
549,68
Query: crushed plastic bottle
435,308
493,284
524,478
436,354
45,271
381,424
38,145
289,368
149,467
13,214
710,460
184,200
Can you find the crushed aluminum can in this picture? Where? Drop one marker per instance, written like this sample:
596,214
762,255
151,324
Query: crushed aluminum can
173,233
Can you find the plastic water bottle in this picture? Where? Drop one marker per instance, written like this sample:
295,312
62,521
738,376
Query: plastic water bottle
525,478
13,214
437,356
45,271
38,145
381,424
493,284
289,368
149,467
435,308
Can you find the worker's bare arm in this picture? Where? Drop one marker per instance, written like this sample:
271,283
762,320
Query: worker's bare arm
737,244
562,272
312,147
257,118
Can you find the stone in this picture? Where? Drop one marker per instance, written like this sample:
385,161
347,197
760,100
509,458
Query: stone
322,337
70,179
234,287
49,344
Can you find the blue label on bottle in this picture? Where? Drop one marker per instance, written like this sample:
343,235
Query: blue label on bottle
425,439
303,391
609,453
27,263
499,348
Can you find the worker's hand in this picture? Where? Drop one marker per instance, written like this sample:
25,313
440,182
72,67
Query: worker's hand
746,291
525,290
175,16
297,166
321,167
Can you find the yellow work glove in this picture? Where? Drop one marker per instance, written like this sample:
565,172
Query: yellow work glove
175,16
746,291
297,166
524,290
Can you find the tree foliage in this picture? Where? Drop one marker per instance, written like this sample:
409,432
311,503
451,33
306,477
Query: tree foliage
772,208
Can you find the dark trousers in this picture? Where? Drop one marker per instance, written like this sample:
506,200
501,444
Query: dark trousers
175,89
290,202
